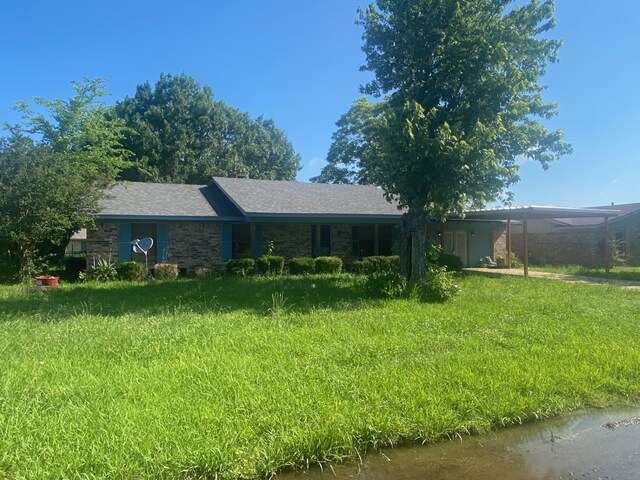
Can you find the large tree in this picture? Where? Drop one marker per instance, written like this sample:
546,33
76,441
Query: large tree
54,168
178,133
462,103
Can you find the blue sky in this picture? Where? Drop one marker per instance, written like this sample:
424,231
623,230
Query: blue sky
297,61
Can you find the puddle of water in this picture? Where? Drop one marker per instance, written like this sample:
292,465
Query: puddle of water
574,446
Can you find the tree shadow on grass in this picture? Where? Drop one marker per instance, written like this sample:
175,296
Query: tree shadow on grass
256,295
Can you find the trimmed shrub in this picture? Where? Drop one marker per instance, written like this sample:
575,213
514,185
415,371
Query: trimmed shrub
241,267
385,285
73,266
302,266
131,271
203,272
357,267
163,271
452,262
328,264
381,264
271,265
438,286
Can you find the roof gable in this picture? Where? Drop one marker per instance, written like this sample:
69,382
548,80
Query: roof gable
272,197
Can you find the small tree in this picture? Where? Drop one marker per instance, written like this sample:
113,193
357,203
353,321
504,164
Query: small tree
53,171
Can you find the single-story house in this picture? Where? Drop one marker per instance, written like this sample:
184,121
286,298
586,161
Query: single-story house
580,241
206,225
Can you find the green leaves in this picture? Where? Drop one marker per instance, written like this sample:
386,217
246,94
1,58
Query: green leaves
463,98
50,186
178,133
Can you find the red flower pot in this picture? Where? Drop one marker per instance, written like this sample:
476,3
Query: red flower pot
46,281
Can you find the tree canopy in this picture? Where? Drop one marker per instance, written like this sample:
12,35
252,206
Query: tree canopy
54,168
461,105
178,133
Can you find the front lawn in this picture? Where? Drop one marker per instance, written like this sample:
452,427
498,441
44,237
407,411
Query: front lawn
237,378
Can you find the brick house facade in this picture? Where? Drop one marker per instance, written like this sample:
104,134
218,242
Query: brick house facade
205,226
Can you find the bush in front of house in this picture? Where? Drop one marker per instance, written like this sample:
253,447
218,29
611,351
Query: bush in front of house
452,262
164,271
438,286
385,285
357,267
203,272
328,265
270,265
241,267
381,264
102,270
131,271
302,266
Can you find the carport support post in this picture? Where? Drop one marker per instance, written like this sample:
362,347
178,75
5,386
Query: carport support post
606,245
509,243
525,236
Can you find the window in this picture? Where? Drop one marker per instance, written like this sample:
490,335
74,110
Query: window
140,231
385,240
367,242
320,244
241,240
325,240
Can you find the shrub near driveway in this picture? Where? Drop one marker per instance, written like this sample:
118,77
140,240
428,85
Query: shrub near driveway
194,378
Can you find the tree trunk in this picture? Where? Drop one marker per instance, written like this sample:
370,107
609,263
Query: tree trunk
413,238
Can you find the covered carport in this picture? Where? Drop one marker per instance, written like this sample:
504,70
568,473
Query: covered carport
524,214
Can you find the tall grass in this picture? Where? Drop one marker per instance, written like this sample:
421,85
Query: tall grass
196,379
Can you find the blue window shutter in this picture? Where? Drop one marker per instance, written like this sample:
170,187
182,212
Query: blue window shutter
124,242
162,232
225,242
258,247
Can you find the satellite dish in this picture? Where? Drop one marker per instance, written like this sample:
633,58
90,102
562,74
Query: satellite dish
142,246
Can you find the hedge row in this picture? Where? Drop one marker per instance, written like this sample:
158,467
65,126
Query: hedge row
376,264
273,265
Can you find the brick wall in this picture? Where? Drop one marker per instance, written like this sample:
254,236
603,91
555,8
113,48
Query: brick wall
195,244
198,244
102,242
341,242
500,242
289,239
294,239
585,247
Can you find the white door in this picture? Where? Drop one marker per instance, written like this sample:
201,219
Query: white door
460,246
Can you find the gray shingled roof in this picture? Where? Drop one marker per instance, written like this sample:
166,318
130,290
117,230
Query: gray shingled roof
165,200
270,197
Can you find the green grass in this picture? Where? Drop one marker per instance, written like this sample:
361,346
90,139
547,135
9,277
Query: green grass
615,273
223,379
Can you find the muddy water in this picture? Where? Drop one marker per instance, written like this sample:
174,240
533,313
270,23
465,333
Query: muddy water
576,446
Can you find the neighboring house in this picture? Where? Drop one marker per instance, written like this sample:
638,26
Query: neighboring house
206,225
580,241
77,243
